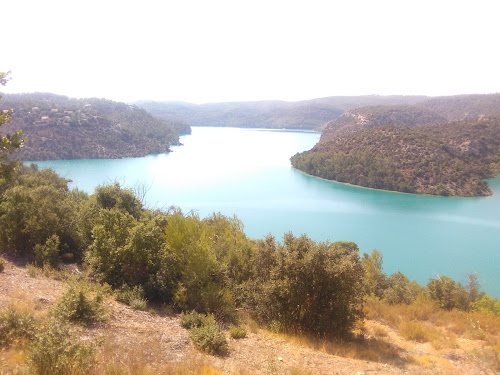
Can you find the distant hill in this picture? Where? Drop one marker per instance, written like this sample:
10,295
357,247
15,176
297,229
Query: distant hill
308,114
441,146
59,127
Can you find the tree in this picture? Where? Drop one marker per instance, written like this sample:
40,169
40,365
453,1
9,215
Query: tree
375,278
36,207
9,142
448,293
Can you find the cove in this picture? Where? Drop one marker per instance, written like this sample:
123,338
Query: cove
247,173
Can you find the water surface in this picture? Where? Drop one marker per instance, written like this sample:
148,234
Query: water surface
247,173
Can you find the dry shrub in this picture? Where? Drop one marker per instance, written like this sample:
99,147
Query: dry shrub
433,362
418,332
382,312
422,311
379,331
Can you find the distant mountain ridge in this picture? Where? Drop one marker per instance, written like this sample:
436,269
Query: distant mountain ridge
307,114
59,127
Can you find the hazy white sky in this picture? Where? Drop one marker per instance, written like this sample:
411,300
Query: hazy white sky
216,50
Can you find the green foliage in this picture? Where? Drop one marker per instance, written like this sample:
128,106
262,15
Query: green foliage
400,289
9,143
134,297
237,332
62,128
77,306
48,253
209,338
448,293
205,333
375,278
36,207
309,287
487,304
201,282
15,324
114,196
194,319
54,352
2,265
383,148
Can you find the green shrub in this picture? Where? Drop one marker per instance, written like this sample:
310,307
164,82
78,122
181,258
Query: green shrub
37,206
275,326
237,332
53,352
76,305
68,257
209,338
194,319
134,297
2,265
15,324
48,253
308,287
487,304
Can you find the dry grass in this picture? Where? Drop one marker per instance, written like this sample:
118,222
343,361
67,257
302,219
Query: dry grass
358,347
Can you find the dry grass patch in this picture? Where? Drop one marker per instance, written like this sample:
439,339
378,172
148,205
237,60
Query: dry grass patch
358,347
432,362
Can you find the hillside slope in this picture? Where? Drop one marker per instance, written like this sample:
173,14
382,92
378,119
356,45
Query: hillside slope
58,127
415,149
146,342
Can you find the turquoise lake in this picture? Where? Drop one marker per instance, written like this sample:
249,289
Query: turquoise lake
247,173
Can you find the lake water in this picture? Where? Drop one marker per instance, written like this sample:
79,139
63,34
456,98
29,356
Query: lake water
247,173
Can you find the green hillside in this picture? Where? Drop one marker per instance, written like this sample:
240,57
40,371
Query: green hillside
58,127
413,149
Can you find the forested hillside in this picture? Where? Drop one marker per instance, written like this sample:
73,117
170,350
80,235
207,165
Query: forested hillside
307,114
441,146
58,127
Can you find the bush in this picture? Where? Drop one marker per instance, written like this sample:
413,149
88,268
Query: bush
134,297
15,324
2,265
418,332
76,306
52,352
237,332
48,253
308,287
36,207
209,338
194,319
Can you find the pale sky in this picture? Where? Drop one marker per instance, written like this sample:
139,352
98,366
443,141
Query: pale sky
215,50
